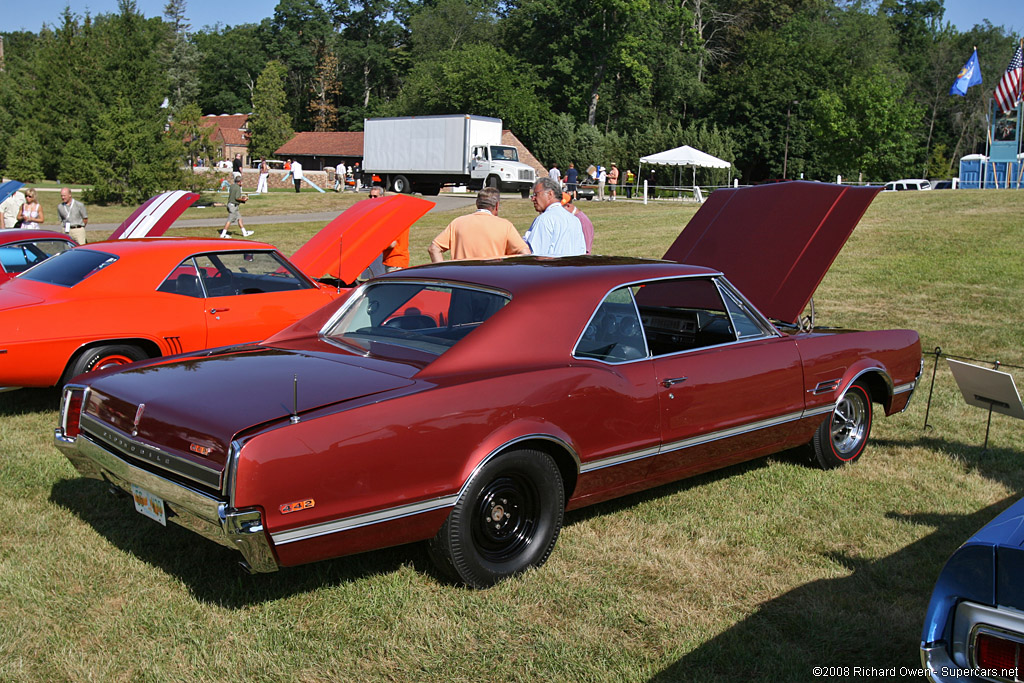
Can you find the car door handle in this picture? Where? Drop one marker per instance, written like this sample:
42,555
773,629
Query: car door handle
675,380
214,311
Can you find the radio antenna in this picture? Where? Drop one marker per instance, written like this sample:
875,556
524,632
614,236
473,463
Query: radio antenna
295,400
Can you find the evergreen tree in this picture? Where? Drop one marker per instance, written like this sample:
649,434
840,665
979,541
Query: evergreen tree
77,163
24,162
181,57
269,126
135,157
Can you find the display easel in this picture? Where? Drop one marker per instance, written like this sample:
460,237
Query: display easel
992,390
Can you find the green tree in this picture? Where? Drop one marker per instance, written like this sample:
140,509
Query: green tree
77,163
135,159
181,57
24,161
269,126
325,89
479,79
293,34
230,60
187,129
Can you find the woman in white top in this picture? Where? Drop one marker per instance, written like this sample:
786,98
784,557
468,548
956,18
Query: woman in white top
31,213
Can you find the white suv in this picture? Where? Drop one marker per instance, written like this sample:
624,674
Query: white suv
907,184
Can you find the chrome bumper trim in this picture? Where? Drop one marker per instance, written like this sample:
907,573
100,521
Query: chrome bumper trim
936,663
348,523
241,530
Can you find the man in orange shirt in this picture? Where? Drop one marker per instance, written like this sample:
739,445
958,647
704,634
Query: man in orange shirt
396,256
480,235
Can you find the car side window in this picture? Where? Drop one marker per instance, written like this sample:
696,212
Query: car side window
613,333
745,322
183,280
247,272
683,314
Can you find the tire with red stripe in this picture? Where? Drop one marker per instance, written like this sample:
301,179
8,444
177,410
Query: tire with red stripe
843,435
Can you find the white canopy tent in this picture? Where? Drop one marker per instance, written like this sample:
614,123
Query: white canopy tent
686,156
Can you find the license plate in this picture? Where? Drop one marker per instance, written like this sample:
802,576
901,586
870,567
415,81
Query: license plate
149,505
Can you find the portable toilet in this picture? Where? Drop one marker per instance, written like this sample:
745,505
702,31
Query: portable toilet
972,171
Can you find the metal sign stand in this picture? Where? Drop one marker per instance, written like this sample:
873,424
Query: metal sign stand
989,389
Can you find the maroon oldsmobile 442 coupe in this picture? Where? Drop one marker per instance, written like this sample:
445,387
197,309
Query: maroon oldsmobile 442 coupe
472,403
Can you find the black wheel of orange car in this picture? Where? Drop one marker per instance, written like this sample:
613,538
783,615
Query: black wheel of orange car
506,520
842,437
103,357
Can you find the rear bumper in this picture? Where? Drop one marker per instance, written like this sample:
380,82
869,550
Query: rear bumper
239,529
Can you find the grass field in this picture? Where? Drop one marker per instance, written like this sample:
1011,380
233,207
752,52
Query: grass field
761,571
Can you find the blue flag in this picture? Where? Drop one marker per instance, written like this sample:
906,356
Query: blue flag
968,76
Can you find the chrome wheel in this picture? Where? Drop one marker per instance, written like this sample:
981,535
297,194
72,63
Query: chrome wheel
849,423
843,435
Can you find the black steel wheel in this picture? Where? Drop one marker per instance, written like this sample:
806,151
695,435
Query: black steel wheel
492,181
506,521
844,434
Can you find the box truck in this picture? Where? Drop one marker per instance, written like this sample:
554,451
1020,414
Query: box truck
423,153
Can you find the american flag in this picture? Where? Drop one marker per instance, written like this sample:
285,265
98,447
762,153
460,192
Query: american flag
1009,89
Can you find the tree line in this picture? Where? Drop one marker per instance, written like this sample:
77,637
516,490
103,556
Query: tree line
794,88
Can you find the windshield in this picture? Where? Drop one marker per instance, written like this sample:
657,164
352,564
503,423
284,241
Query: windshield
20,256
429,317
504,154
69,268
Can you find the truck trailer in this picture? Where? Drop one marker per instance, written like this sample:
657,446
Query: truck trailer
423,153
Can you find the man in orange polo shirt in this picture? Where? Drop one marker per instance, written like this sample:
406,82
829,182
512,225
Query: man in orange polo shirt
396,256
480,235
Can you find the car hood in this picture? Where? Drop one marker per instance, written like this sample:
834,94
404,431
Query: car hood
774,242
347,246
10,187
194,405
156,215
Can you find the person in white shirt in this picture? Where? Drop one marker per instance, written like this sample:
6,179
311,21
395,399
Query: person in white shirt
339,176
297,174
261,184
10,208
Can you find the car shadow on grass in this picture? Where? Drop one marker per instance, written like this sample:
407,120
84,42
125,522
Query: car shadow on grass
867,623
26,401
864,625
210,571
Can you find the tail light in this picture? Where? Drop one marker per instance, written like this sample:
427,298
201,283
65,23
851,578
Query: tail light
994,650
71,410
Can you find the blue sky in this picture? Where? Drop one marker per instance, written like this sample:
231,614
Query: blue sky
32,15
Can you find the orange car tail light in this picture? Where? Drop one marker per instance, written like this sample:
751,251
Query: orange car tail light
993,651
71,411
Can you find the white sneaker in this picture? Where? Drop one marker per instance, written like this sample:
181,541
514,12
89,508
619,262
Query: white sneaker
224,234
246,233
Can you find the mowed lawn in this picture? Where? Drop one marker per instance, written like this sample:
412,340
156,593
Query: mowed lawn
761,571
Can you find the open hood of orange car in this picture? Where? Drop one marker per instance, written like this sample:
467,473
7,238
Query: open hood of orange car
347,246
774,242
154,217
